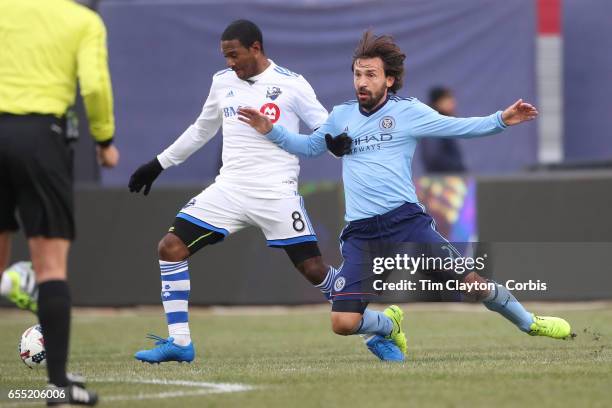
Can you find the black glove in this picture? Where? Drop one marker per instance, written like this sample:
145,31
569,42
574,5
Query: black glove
339,145
144,176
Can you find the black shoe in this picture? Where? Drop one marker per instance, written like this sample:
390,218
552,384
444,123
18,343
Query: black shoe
72,394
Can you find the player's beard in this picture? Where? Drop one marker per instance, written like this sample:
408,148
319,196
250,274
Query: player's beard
373,98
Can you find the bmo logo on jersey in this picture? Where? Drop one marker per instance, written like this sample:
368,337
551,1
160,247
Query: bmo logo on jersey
272,111
229,111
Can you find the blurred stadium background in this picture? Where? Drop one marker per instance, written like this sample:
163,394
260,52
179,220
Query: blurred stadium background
541,192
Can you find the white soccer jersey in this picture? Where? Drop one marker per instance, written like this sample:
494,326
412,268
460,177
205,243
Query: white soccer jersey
250,160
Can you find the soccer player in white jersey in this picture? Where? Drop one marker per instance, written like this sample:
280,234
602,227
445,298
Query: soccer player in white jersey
257,184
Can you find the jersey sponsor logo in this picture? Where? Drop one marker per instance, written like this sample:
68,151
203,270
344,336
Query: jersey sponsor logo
367,139
387,123
339,284
273,92
229,111
272,111
370,143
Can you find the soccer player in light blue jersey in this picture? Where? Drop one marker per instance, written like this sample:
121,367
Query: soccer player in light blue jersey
377,136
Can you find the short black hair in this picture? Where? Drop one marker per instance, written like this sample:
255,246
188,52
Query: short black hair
244,31
438,92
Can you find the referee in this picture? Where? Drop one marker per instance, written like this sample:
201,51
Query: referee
45,46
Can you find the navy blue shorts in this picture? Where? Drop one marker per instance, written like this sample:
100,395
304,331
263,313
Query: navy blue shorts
404,230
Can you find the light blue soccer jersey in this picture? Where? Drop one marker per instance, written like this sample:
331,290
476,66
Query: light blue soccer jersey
377,174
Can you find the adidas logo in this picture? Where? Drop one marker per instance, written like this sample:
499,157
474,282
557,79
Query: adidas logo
346,129
229,94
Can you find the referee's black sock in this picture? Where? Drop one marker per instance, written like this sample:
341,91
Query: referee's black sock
54,317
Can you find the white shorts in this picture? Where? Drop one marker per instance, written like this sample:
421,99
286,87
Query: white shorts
226,209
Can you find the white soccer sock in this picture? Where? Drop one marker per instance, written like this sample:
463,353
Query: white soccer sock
175,298
326,286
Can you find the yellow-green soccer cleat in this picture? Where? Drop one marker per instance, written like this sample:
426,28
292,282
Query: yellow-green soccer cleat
554,327
396,315
23,289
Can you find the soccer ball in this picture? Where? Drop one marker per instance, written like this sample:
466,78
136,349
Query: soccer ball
32,347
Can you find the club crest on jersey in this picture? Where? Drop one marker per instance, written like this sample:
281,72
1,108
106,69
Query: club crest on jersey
272,111
387,123
273,92
339,284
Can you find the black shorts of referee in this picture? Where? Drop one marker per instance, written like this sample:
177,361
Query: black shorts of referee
36,176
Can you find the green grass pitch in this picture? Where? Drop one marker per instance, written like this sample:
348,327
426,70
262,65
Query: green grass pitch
290,358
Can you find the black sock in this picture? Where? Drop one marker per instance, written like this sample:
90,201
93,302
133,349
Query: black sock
54,317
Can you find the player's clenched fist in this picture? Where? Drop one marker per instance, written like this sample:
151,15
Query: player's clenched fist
108,156
338,145
144,176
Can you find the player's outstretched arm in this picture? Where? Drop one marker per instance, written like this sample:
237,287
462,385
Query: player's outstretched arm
294,143
190,141
429,123
197,135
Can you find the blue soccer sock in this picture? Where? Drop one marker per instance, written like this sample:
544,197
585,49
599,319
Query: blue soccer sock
500,300
175,298
326,286
373,322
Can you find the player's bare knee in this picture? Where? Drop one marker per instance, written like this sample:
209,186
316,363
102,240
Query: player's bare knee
474,295
345,324
172,249
342,328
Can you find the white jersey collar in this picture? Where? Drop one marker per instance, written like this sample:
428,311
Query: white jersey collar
264,72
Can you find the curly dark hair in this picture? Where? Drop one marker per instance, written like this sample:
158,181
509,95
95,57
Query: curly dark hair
383,47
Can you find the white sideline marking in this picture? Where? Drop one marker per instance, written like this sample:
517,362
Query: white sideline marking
200,388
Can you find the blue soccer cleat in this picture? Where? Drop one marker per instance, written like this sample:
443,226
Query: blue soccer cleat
385,349
166,350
